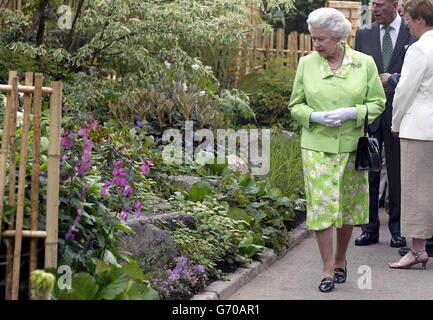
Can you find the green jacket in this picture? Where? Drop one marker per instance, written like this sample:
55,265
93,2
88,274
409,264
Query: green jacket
316,88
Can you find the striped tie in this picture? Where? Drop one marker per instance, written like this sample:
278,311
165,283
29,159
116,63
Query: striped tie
387,49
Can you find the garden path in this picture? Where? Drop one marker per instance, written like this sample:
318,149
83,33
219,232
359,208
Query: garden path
297,274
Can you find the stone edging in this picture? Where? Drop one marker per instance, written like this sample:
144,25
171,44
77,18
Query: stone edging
222,290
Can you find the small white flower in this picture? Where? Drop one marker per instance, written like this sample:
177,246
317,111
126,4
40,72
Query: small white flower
185,87
20,118
21,94
207,68
195,67
167,64
202,93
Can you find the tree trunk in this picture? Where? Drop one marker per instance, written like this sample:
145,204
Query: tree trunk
43,13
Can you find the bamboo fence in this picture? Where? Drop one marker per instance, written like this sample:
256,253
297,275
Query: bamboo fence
14,231
261,47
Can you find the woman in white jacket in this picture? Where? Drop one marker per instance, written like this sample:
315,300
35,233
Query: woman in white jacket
413,122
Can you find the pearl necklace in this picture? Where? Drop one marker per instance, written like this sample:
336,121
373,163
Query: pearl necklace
336,66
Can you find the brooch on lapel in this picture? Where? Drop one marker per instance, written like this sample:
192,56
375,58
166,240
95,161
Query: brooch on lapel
356,64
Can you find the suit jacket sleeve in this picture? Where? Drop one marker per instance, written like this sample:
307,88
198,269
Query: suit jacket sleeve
358,40
412,74
300,111
375,98
393,82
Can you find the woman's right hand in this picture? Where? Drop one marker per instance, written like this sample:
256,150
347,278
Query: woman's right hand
323,118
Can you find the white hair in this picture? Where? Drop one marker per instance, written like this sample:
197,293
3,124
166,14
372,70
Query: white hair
332,20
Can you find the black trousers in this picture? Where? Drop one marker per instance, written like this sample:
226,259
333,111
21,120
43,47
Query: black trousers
392,155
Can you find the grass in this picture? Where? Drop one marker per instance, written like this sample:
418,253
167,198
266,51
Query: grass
286,165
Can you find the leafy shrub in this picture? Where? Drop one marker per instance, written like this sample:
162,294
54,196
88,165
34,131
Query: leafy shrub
109,282
215,241
269,91
262,206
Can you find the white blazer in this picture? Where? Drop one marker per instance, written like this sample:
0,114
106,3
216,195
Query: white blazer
412,114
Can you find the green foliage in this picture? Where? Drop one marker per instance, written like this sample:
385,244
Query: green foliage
199,191
216,240
234,104
109,282
286,172
269,91
263,207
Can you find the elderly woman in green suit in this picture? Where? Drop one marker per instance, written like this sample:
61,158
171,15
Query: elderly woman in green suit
333,90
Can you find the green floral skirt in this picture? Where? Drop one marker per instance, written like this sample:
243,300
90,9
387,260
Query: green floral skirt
336,193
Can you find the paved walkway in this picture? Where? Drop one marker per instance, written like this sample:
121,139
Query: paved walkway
298,273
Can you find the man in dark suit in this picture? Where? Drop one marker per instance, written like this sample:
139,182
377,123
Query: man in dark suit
386,40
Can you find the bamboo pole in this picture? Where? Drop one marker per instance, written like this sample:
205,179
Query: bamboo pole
51,242
12,177
11,100
34,215
25,234
21,190
24,89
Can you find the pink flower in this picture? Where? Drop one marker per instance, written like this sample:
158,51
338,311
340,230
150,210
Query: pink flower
120,182
83,132
127,191
117,163
92,125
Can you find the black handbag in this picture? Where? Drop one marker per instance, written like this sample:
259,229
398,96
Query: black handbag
367,154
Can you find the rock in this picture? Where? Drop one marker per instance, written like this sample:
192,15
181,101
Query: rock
237,164
150,245
187,181
184,181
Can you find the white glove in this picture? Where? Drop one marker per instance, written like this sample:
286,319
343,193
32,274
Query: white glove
322,117
342,114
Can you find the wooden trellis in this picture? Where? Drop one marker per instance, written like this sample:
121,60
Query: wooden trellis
33,90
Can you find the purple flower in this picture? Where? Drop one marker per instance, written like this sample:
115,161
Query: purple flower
200,268
84,187
145,167
117,163
88,145
127,191
120,182
104,192
66,140
107,183
139,122
181,261
124,215
119,173
137,207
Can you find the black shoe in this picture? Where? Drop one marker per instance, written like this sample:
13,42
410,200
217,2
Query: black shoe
340,274
327,284
366,239
403,251
398,241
